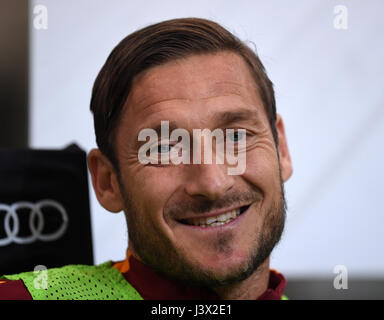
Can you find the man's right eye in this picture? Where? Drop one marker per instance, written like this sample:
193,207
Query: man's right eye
161,147
164,150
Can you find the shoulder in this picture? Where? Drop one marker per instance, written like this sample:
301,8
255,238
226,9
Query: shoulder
76,282
67,271
43,284
14,290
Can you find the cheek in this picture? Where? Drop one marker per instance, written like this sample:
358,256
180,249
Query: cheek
151,187
262,170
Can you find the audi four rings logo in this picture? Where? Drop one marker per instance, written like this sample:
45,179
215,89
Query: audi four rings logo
35,211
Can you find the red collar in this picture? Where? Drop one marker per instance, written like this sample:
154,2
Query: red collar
153,286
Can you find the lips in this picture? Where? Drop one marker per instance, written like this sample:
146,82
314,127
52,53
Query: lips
217,220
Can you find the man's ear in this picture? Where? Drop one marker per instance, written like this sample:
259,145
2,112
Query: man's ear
104,181
285,158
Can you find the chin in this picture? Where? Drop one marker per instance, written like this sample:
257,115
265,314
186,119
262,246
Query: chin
223,269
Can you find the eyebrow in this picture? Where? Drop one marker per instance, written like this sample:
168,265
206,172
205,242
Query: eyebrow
228,117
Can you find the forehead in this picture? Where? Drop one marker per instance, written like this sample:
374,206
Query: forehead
199,84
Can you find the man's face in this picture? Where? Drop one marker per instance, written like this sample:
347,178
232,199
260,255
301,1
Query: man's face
163,203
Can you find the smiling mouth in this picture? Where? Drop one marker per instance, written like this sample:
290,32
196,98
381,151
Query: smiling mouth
214,221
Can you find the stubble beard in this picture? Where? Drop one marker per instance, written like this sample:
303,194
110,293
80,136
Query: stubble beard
160,254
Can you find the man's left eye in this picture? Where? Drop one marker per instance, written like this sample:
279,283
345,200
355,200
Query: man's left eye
164,148
237,136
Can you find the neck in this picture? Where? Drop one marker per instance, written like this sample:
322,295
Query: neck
248,289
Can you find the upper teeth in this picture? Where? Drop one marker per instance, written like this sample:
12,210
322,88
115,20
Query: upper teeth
217,220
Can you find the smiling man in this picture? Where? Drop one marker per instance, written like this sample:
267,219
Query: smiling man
195,231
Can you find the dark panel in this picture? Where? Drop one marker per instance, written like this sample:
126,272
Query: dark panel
44,209
299,289
13,73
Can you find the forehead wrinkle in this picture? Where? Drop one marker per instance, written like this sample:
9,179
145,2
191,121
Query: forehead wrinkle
162,101
216,89
209,95
151,88
214,93
229,88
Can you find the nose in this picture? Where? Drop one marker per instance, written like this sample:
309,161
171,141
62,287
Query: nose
210,181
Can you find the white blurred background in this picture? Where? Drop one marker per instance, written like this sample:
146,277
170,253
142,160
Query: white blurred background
329,90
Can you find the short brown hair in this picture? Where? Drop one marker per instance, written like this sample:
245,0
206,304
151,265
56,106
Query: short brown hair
155,45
